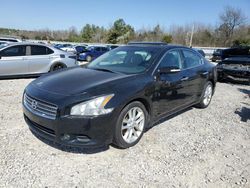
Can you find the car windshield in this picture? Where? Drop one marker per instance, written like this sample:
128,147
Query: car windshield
126,59
217,51
3,45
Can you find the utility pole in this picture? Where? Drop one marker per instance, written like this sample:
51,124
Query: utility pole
191,38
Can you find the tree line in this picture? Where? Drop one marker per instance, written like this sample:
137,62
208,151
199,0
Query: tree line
232,29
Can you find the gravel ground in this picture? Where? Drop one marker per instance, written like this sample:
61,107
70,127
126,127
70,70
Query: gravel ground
197,148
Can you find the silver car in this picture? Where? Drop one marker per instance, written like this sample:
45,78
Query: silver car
30,59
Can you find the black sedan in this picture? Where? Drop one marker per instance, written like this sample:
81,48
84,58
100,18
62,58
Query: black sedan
118,95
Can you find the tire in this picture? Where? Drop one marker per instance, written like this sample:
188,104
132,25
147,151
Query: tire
57,66
89,58
206,95
127,132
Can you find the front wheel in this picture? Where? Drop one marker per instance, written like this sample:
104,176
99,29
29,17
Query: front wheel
206,95
130,125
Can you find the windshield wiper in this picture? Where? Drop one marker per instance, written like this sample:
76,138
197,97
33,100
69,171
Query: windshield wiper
106,70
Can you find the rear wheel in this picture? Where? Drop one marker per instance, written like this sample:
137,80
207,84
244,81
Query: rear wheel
206,95
88,58
130,125
58,67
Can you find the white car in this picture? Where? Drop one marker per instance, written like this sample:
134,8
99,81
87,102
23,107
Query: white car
9,39
76,49
30,59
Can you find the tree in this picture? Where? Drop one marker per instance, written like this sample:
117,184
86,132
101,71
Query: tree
167,38
230,19
87,33
120,32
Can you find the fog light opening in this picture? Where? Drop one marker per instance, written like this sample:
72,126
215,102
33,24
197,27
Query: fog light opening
65,137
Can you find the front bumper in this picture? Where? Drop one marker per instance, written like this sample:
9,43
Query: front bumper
81,132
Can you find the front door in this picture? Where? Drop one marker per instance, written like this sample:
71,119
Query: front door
12,61
171,89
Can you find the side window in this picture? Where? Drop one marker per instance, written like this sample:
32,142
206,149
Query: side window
191,59
38,50
104,49
98,49
49,51
14,51
171,59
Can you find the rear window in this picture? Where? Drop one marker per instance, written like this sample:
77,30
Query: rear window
236,52
40,50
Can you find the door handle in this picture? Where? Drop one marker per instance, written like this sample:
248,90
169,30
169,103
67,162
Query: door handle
185,78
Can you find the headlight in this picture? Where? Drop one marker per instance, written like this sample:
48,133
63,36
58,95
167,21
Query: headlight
92,107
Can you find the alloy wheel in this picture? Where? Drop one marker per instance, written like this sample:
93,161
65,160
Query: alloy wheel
208,95
133,125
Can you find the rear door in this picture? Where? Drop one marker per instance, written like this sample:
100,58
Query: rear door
104,50
12,61
195,73
39,58
98,51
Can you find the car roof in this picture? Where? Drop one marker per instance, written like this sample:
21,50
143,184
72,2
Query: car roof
26,43
160,45
97,46
31,43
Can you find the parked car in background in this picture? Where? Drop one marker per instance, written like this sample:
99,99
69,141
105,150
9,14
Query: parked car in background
234,68
220,54
118,95
113,46
63,47
80,48
30,59
9,39
57,46
200,51
92,52
216,56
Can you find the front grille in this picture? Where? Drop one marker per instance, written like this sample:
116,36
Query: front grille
40,108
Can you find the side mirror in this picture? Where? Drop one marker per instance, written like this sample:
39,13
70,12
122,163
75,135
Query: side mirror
169,70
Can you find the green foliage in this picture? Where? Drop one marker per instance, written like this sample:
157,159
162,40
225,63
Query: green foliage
241,42
167,38
120,32
87,33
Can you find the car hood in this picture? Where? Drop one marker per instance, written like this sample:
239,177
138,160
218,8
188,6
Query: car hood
237,60
76,81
